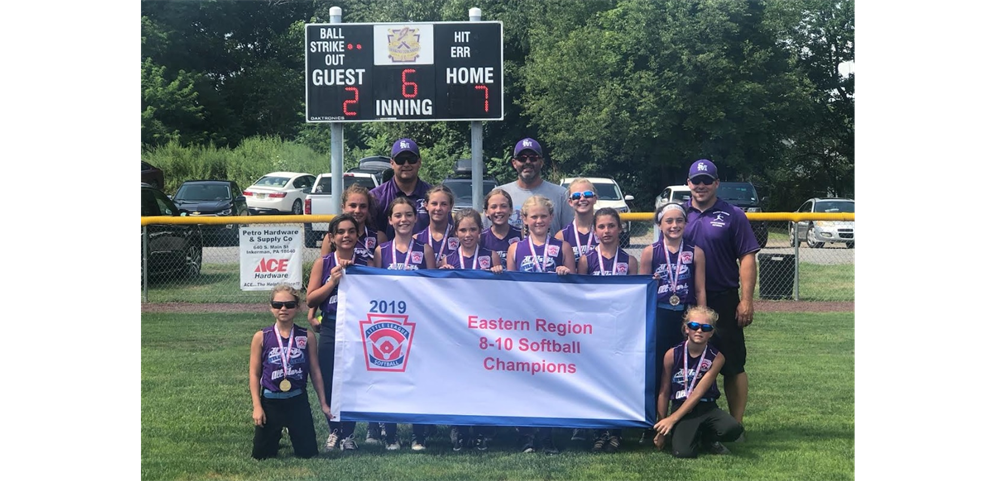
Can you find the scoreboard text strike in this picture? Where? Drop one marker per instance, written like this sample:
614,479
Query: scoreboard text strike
407,71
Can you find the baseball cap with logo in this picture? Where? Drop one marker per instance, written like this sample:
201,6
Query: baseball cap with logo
528,144
703,167
404,145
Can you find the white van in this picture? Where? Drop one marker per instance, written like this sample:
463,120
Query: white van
674,193
609,195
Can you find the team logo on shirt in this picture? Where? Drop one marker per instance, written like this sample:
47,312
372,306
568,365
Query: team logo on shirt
386,341
552,250
416,257
301,342
622,268
485,262
452,243
371,243
686,257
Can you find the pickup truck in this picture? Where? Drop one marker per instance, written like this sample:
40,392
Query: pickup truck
320,202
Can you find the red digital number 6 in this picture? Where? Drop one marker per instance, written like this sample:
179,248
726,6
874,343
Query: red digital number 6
405,84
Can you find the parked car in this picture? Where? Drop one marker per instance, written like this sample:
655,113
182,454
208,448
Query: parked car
279,193
744,196
172,248
212,198
609,195
818,233
460,181
321,202
152,175
377,165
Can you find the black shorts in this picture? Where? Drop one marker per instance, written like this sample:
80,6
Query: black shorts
728,337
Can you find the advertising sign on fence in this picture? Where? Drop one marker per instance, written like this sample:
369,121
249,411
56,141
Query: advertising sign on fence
513,349
270,255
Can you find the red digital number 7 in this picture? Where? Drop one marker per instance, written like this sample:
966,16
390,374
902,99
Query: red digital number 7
487,96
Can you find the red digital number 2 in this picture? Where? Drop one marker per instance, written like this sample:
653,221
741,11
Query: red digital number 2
355,99
487,96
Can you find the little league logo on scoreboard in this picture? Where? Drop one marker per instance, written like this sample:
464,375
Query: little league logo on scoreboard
386,341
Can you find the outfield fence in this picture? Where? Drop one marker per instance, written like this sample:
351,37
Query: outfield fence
197,259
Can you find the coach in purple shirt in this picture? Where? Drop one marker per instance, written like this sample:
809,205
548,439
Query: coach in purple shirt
724,234
406,162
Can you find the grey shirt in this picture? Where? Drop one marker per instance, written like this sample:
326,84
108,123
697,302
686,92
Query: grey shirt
562,213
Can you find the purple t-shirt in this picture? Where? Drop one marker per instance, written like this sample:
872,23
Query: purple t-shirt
391,259
491,241
331,304
483,259
550,255
297,365
684,260
677,379
386,192
725,235
579,241
619,266
443,247
367,244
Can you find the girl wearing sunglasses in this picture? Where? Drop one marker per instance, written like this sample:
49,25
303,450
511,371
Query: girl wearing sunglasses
679,267
606,259
281,359
695,421
406,253
323,294
581,196
501,234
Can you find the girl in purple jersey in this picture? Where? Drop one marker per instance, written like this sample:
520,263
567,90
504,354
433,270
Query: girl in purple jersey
679,267
501,234
581,195
606,259
539,252
280,360
470,255
689,370
439,233
322,293
403,252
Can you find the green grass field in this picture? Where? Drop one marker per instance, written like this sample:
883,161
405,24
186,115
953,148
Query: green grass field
197,424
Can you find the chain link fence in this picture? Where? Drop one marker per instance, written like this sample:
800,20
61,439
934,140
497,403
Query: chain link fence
183,261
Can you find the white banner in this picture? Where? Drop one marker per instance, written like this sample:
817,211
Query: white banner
270,255
471,347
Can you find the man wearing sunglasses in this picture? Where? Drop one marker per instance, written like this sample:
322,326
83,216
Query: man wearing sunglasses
723,232
406,162
527,160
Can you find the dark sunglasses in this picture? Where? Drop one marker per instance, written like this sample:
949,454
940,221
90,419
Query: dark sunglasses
694,326
281,304
577,195
703,180
528,158
407,159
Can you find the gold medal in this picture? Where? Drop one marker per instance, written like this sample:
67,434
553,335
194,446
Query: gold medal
284,385
674,300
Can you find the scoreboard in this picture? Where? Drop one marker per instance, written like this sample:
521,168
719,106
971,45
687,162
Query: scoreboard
438,71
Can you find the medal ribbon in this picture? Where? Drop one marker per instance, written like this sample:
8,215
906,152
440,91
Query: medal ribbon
442,244
590,238
407,257
677,266
284,353
694,379
542,266
476,249
601,261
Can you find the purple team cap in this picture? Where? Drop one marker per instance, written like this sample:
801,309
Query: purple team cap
404,145
703,167
527,144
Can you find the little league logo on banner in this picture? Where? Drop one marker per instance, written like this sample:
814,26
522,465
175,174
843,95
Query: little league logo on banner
512,349
269,255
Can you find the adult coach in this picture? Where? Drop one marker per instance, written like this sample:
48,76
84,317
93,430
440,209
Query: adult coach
406,162
527,160
724,234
